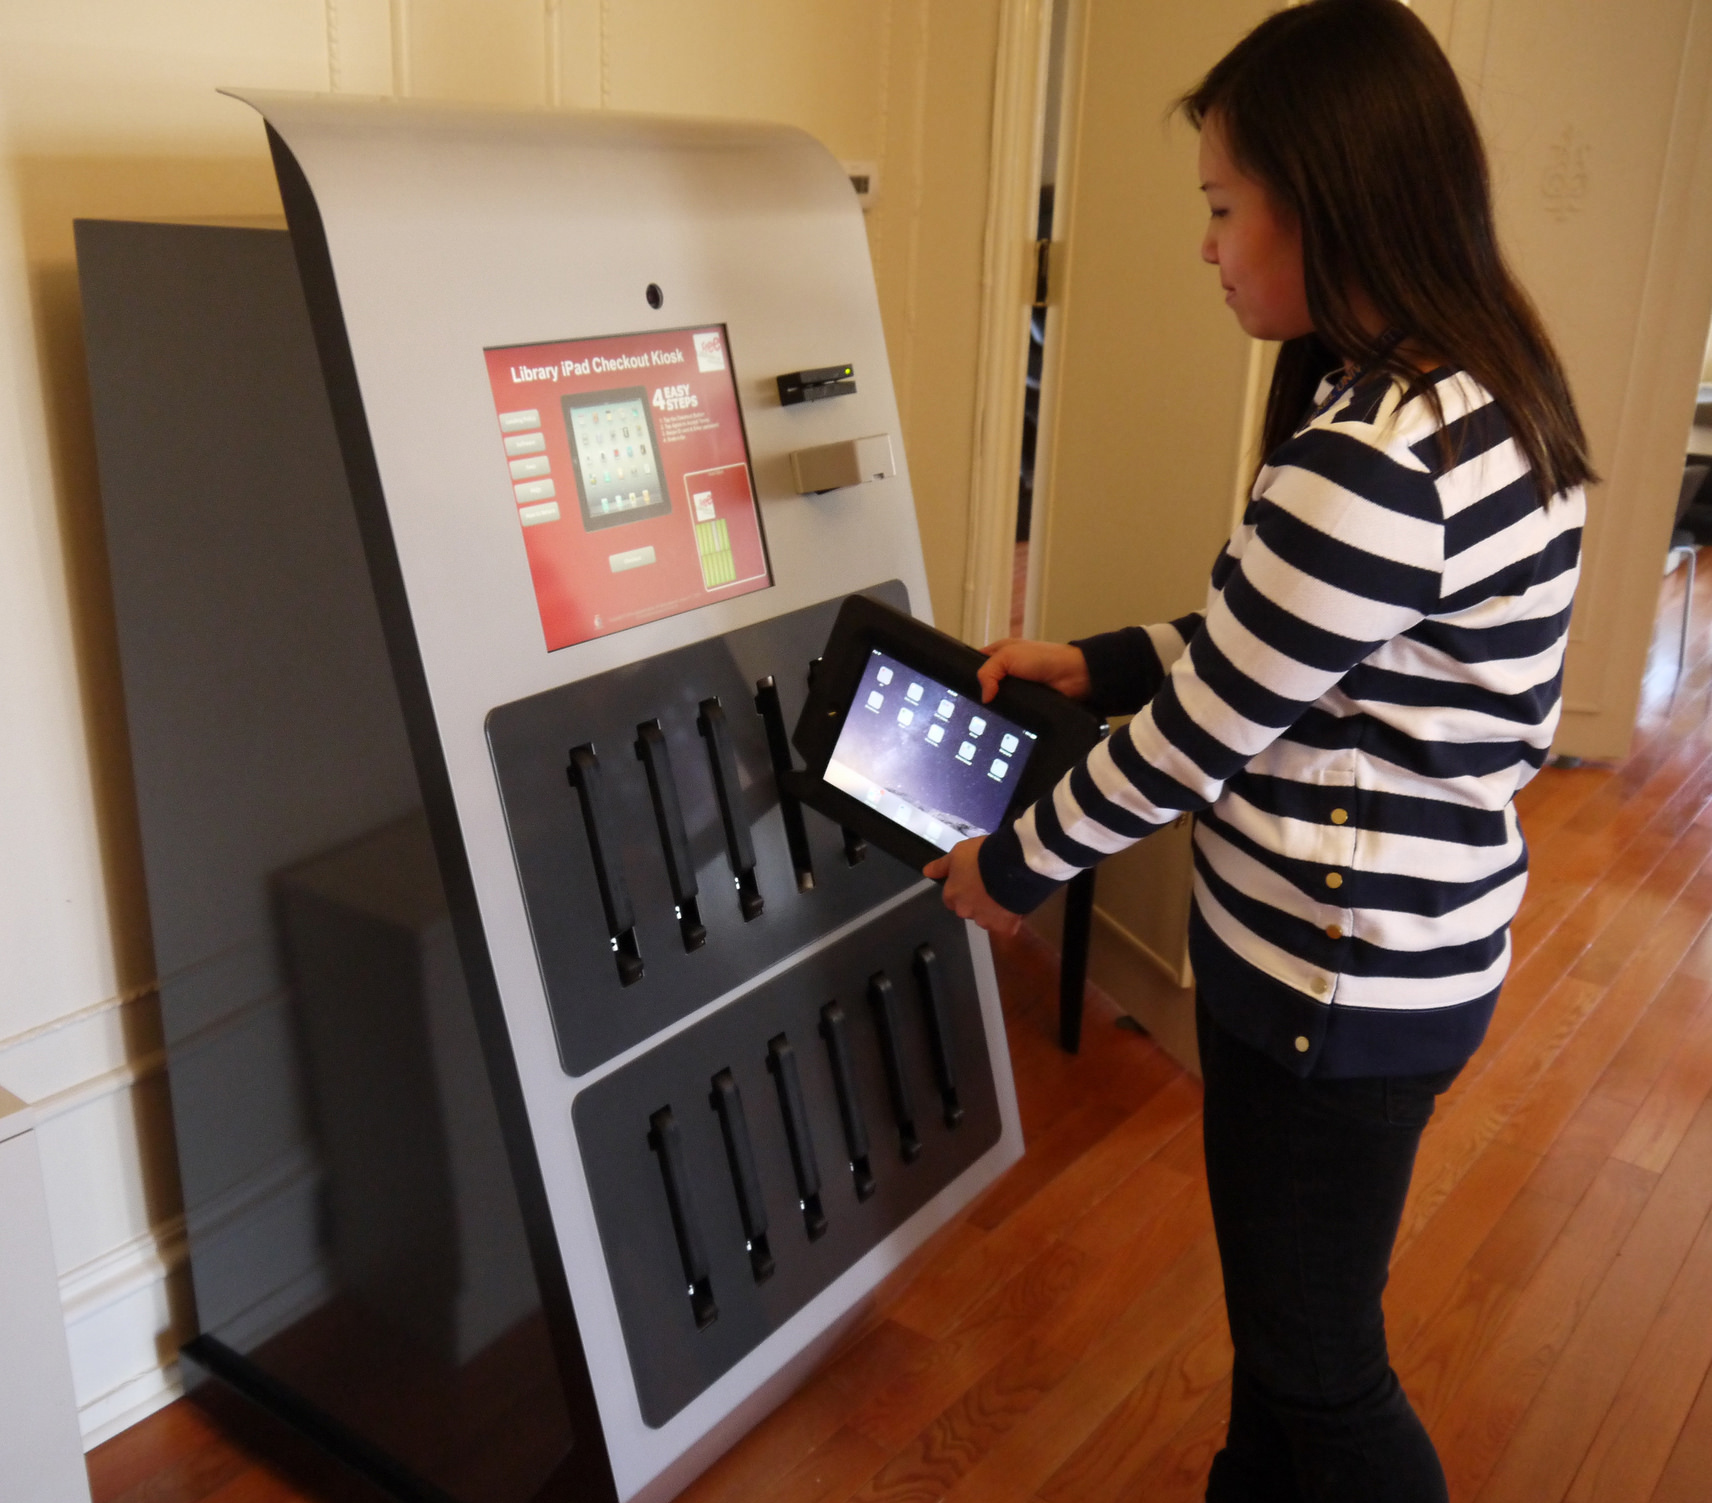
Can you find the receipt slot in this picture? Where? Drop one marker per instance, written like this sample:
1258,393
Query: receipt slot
551,1086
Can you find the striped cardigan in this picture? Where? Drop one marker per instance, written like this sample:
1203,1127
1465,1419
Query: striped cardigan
1377,671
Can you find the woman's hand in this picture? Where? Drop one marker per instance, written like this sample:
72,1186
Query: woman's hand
965,892
1054,664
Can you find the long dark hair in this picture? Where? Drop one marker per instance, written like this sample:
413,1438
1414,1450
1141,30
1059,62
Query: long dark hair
1350,116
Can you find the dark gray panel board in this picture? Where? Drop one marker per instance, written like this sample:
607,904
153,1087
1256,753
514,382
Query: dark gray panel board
672,1357
595,1014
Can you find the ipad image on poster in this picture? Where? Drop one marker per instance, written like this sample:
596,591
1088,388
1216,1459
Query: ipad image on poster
615,456
901,749
628,470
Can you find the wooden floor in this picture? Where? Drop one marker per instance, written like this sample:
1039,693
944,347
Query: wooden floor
1551,1301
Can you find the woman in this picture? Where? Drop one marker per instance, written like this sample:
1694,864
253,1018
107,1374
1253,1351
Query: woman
1377,672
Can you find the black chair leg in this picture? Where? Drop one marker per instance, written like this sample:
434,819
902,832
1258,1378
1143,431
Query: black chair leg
1073,963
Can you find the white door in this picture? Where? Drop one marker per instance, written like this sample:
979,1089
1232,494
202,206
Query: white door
1143,394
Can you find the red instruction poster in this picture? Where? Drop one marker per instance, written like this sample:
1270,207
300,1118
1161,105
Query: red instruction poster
630,476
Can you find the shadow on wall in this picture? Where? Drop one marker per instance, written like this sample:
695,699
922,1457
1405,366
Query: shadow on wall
50,192
338,1155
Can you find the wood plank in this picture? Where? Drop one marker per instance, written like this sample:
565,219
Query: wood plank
1048,1156
1466,1124
1516,1351
179,1453
1424,1273
1542,1456
837,1466
958,1437
941,1294
1634,1443
1178,1473
1670,1106
810,1417
1684,1479
1111,1464
897,1413
1130,1344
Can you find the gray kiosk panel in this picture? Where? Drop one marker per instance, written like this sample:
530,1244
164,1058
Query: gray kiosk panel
736,1074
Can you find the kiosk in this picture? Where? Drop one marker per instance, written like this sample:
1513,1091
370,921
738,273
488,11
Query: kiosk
550,1087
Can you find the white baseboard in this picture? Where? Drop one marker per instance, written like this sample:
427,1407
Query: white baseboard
130,1403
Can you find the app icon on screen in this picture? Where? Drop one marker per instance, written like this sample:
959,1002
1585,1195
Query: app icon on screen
913,694
1008,744
936,734
906,716
945,708
966,752
876,699
998,770
976,725
884,676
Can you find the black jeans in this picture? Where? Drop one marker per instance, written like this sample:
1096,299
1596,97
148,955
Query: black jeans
1307,1180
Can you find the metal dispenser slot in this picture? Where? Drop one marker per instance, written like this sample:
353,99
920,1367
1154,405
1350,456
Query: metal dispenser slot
739,846
855,847
656,756
782,1062
790,811
664,1139
585,775
882,997
834,1028
727,1101
926,967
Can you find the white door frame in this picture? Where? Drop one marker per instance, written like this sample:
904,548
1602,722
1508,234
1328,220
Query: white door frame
1007,284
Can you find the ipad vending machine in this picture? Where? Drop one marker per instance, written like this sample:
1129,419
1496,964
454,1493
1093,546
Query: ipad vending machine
598,1034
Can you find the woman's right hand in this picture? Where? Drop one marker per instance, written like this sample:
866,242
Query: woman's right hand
1054,664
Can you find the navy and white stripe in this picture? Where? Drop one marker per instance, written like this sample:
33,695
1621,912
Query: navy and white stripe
1377,671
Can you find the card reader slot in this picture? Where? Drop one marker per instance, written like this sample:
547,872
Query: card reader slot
882,997
667,1143
772,714
782,1062
739,847
834,1028
727,1101
932,986
586,777
656,756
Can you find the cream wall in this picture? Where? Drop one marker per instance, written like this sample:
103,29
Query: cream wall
108,110
1599,126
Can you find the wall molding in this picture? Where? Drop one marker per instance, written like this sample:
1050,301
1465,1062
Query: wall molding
122,1301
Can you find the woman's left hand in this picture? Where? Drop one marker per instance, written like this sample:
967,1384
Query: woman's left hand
965,893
